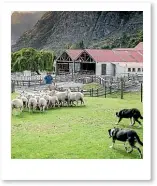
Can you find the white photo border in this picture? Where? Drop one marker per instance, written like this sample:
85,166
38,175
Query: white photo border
66,169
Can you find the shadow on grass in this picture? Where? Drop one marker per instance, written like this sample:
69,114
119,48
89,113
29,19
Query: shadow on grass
125,154
127,126
37,112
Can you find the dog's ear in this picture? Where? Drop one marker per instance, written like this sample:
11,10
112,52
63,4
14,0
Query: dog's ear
109,132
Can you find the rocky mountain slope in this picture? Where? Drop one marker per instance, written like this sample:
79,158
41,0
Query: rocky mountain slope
61,30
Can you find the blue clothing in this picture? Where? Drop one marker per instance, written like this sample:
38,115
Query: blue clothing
48,79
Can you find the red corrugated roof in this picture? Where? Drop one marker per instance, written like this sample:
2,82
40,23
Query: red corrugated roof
140,52
136,55
115,55
124,49
74,53
125,56
139,46
101,55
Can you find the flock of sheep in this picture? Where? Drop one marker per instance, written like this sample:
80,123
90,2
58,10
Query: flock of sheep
46,99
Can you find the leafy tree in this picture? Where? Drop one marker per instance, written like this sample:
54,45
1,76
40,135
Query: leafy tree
31,59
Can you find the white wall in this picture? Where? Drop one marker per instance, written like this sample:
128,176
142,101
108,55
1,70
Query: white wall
109,68
119,69
98,69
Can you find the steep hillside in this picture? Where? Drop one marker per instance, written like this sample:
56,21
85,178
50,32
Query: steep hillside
21,22
60,30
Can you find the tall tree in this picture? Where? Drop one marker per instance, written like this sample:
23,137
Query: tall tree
31,59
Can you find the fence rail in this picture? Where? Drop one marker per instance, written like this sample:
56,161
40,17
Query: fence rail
109,84
103,90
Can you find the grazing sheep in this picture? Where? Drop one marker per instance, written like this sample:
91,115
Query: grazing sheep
42,104
75,96
17,103
32,104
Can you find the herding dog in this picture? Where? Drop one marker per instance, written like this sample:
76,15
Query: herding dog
130,113
125,135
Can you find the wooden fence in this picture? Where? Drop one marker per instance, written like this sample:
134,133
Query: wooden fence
104,91
109,84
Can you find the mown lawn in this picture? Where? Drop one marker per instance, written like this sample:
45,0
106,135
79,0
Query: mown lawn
73,133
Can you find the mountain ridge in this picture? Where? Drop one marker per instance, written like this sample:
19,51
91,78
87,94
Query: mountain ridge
62,30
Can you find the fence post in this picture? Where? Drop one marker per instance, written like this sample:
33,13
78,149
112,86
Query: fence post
105,89
92,92
40,80
110,89
12,86
97,92
121,88
141,91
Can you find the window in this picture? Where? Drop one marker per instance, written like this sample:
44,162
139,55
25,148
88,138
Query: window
133,69
129,69
139,70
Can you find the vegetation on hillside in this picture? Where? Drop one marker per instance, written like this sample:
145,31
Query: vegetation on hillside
31,59
125,41
83,29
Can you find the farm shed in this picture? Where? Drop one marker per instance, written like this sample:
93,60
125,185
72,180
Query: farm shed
101,61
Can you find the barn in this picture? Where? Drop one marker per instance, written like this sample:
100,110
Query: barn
101,61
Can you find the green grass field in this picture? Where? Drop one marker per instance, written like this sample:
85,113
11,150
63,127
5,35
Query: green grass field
73,132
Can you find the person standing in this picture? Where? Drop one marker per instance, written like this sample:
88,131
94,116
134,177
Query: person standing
48,78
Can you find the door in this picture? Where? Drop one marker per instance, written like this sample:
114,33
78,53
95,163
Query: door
103,69
114,69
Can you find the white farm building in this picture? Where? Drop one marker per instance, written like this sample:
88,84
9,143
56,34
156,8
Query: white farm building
102,61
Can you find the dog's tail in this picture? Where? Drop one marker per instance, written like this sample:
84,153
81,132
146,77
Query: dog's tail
138,140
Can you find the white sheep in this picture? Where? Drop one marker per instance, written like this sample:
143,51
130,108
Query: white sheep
25,101
52,92
17,103
42,104
75,96
62,97
54,101
32,103
47,97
